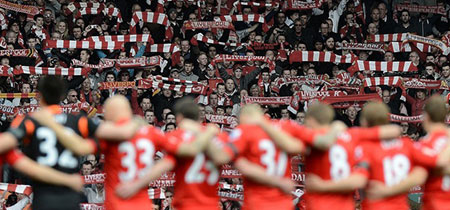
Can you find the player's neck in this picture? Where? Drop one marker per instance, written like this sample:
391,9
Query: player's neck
434,127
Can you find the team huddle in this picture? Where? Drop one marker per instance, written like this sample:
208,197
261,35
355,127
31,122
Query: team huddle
339,161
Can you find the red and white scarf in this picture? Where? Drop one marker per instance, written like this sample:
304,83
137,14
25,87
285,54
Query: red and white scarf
135,62
121,38
101,65
202,38
220,119
162,48
319,56
268,100
429,41
50,71
253,4
362,46
294,104
408,119
301,5
352,98
186,87
421,8
116,85
226,57
386,37
89,11
8,110
384,66
247,18
3,21
83,44
17,188
396,47
375,81
424,84
192,25
30,10
151,17
71,7
156,193
92,206
94,178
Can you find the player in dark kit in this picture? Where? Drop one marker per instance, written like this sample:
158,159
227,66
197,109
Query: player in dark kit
41,144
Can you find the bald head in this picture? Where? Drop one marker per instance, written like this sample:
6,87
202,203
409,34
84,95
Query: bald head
250,111
117,108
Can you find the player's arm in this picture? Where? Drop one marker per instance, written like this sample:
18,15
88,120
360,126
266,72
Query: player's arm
389,131
325,141
258,174
127,190
201,141
66,137
7,142
282,139
355,181
47,174
217,153
416,177
112,132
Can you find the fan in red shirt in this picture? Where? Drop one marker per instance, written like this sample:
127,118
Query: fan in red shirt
196,175
336,162
387,161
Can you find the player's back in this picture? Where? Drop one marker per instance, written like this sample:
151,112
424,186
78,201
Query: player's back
41,144
196,179
256,146
126,161
388,162
334,164
437,187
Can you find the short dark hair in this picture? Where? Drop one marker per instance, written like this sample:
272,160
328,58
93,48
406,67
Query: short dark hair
187,108
38,16
87,162
52,89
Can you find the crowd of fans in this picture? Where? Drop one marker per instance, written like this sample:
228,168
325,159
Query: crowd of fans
323,28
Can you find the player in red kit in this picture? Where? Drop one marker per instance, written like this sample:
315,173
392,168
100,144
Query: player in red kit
125,161
196,175
334,163
434,144
387,161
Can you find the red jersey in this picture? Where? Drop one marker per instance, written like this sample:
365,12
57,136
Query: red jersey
127,161
336,164
252,143
437,187
389,162
196,177
11,157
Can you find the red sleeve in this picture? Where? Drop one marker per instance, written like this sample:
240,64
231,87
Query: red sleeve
12,156
423,155
300,132
170,158
366,134
238,141
169,142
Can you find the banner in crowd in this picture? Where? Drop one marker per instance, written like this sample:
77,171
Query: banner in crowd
424,83
116,85
361,46
319,56
242,58
352,98
18,95
193,25
410,119
94,178
299,96
121,63
421,8
268,100
92,206
221,119
30,10
302,5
